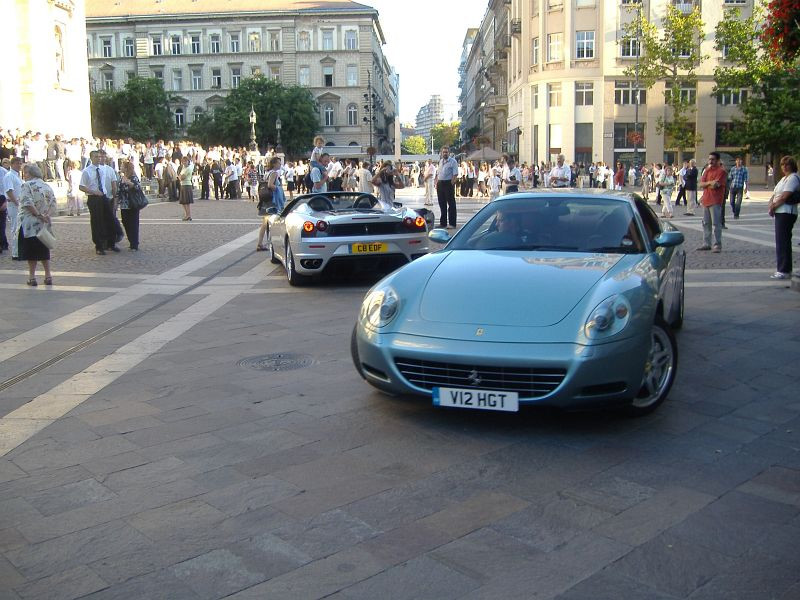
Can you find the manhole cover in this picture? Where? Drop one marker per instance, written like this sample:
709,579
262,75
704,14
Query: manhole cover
277,362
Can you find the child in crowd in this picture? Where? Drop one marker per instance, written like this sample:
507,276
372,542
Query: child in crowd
494,186
317,152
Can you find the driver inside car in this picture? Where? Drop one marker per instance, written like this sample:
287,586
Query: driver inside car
507,232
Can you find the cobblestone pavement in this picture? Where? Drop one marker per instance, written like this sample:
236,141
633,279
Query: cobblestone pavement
142,455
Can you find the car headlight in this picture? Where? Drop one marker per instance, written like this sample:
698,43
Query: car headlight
379,307
608,318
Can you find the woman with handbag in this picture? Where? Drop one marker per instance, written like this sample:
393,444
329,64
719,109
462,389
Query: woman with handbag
271,193
37,203
131,201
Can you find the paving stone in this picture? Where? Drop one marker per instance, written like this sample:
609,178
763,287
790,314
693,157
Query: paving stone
69,455
649,518
216,574
152,473
722,476
275,461
335,495
10,539
326,534
42,481
610,493
158,585
16,511
607,586
85,546
551,523
69,496
317,579
75,583
9,576
672,565
104,466
474,513
776,483
250,494
397,506
733,523
187,517
123,412
404,543
9,471
754,577
421,577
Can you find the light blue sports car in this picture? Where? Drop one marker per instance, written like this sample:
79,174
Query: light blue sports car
565,298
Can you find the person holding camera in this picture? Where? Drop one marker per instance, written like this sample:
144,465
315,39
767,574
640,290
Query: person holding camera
387,180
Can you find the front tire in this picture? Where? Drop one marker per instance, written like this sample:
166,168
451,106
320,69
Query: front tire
272,257
354,352
295,279
678,322
659,370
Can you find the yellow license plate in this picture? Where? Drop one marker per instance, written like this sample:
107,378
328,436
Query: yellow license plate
369,248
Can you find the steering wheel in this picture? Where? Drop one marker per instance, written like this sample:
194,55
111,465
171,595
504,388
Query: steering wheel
319,204
364,199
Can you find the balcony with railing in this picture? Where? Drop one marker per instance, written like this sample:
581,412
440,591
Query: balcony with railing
686,6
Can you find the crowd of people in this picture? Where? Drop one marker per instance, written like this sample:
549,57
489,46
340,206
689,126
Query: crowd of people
109,175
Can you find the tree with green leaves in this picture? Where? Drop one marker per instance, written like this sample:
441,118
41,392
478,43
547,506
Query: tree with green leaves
414,144
270,99
445,134
770,74
140,111
671,53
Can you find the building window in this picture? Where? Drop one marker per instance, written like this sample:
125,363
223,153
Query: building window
195,43
629,48
584,44
198,113
327,76
159,74
180,117
197,79
304,76
216,46
584,94
156,46
236,77
352,75
555,4
216,78
688,95
106,47
624,136
304,41
723,134
625,93
129,48
583,142
731,98
130,75
351,40
328,113
554,95
255,71
352,115
275,72
254,42
327,39
235,42
555,44
682,51
535,93
535,51
175,44
275,41
177,80
108,80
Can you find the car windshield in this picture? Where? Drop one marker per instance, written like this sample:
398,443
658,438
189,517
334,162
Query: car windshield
342,202
557,223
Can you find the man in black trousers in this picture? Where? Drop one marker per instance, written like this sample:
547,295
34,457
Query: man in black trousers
445,189
100,217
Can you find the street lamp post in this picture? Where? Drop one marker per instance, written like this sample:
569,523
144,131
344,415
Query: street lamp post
278,125
636,85
370,108
253,144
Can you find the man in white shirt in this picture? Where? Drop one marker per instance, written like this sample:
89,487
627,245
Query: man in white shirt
12,190
429,179
513,178
232,177
318,177
560,174
98,187
335,171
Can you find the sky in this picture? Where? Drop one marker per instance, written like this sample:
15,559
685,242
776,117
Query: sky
423,44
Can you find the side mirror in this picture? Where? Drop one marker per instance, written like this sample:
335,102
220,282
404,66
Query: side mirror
398,204
272,210
440,236
669,239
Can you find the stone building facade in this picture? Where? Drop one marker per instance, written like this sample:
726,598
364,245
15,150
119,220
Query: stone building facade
568,92
44,66
329,46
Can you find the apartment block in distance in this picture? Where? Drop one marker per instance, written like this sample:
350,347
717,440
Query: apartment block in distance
203,50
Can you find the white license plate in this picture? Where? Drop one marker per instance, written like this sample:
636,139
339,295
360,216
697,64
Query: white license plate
476,399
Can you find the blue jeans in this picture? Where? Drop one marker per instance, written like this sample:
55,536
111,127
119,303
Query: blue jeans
736,196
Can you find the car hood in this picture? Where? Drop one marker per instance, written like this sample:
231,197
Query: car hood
518,289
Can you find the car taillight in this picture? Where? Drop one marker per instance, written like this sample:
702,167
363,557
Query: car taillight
308,229
322,225
419,222
408,222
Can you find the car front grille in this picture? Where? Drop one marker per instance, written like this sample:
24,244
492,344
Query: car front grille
528,382
356,229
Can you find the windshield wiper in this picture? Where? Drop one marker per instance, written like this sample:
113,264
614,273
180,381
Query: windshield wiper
533,247
613,249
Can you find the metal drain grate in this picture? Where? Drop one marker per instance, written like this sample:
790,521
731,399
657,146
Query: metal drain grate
277,362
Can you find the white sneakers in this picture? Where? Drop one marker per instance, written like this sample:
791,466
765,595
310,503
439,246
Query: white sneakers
779,275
